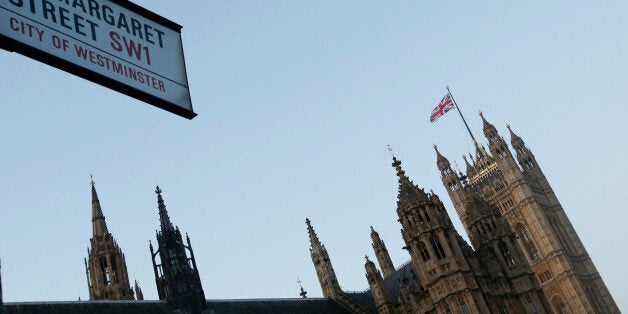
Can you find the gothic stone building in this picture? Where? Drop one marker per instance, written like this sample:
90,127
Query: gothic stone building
525,256
105,267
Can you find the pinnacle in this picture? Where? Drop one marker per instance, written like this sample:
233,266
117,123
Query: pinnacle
163,213
515,140
99,226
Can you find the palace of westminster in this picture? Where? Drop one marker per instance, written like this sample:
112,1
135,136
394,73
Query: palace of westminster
524,256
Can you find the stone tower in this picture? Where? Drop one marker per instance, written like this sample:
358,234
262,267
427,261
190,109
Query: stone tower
382,299
502,266
176,274
327,275
383,258
105,266
437,251
523,196
322,264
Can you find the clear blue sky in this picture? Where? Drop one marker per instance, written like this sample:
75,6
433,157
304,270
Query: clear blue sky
297,101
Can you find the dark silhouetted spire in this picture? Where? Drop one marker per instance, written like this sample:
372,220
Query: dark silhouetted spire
303,293
99,226
163,213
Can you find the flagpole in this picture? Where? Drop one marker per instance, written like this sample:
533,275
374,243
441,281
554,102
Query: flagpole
460,112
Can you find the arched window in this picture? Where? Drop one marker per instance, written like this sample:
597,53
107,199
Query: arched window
531,304
464,307
438,248
503,248
448,311
560,305
528,243
427,217
423,250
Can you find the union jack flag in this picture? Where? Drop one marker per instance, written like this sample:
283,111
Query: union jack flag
446,104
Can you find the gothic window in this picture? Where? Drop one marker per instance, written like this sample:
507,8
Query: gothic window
528,164
174,261
438,248
464,307
104,270
528,243
503,248
448,311
560,306
531,304
453,185
423,250
420,218
501,152
427,217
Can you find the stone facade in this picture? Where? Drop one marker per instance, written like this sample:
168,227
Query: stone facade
525,256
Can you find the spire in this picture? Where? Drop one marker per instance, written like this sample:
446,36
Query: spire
314,242
489,130
439,156
515,140
163,213
138,292
470,168
99,226
408,192
383,258
377,287
303,293
480,151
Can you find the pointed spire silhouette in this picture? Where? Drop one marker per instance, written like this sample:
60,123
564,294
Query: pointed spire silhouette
515,140
381,253
315,243
408,192
138,292
470,168
164,219
99,225
489,129
303,293
439,156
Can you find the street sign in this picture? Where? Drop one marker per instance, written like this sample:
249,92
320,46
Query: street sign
114,43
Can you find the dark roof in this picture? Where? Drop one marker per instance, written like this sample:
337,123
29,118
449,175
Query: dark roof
250,306
87,307
405,274
298,305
